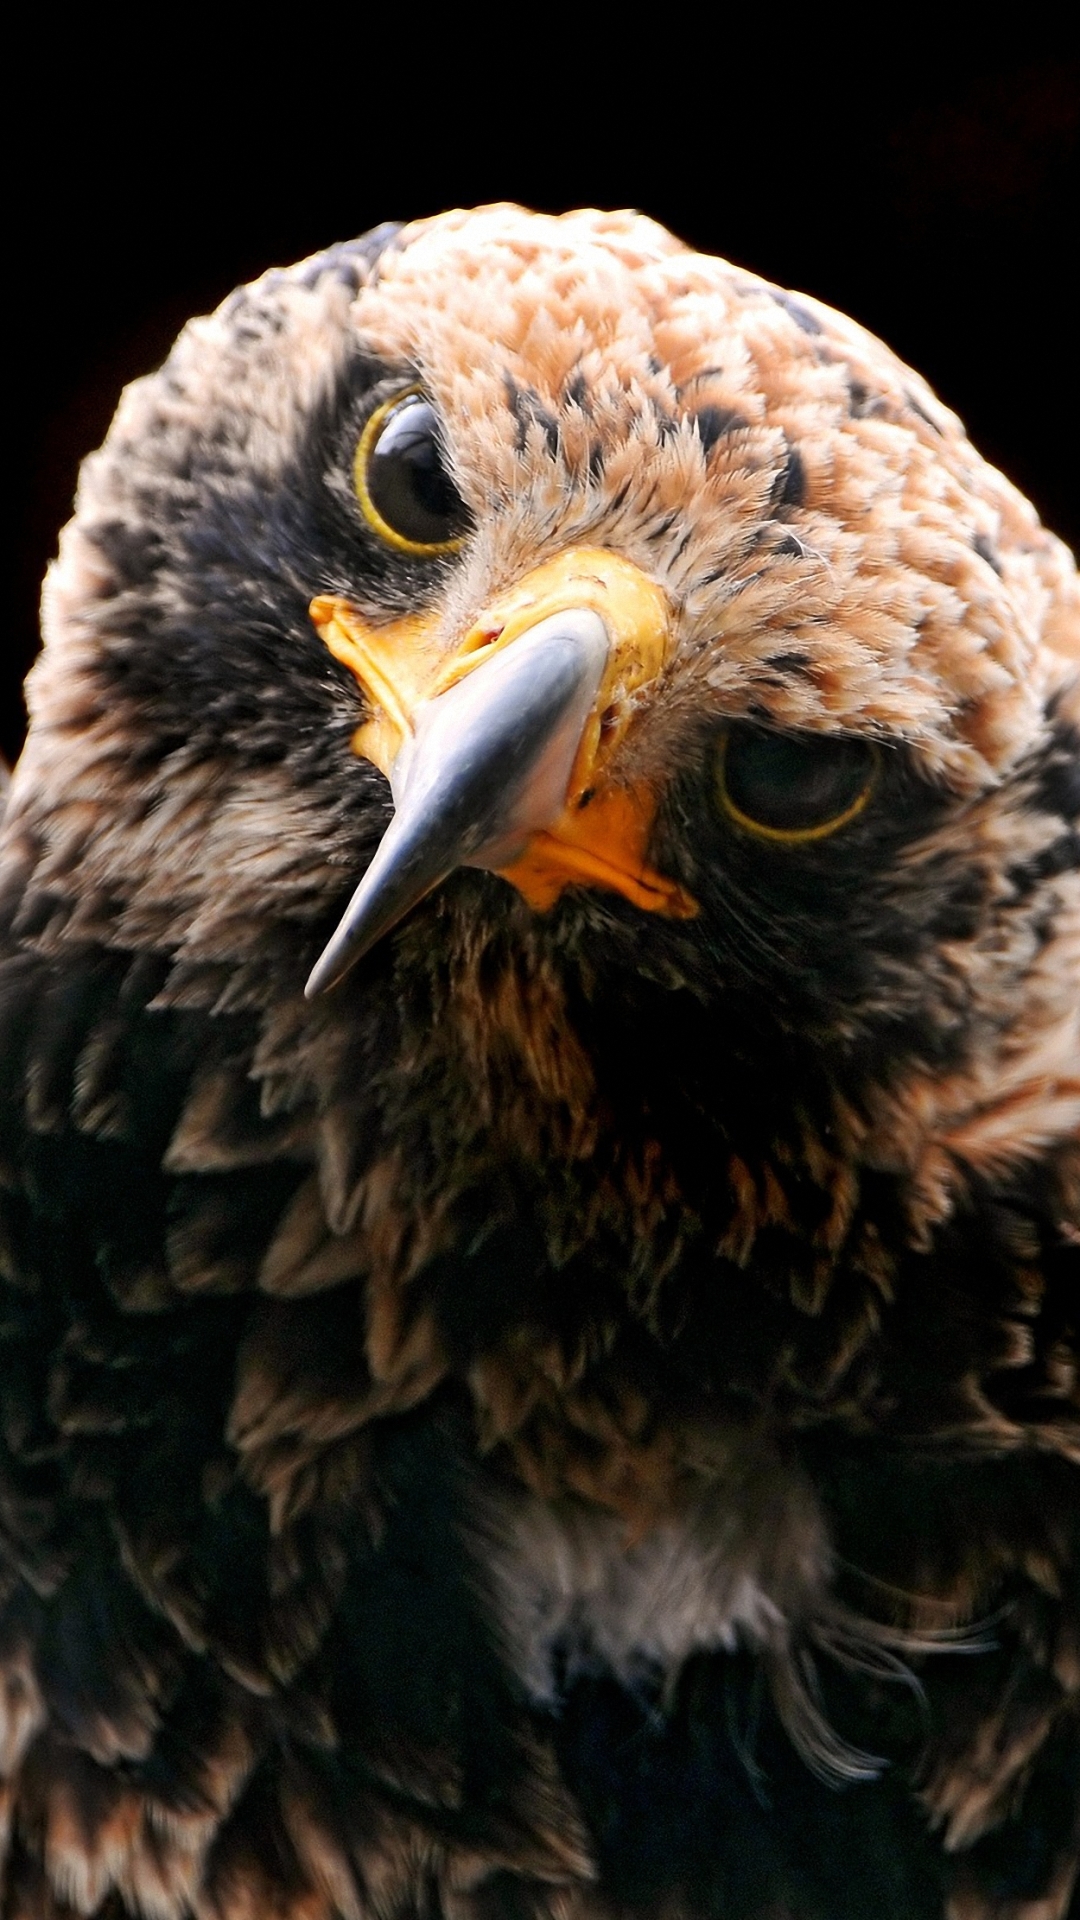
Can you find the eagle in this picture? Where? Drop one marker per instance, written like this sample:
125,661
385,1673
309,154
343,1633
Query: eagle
539,1163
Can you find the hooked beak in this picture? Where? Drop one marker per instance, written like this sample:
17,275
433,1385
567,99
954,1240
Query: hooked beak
497,752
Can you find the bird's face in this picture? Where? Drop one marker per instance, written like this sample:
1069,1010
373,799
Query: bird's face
703,657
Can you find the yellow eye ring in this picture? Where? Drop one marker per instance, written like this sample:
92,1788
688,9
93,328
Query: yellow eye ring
817,829
411,400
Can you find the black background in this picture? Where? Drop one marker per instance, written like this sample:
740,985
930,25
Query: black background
927,188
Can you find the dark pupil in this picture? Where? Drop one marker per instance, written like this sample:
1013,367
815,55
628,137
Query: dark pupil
794,784
407,481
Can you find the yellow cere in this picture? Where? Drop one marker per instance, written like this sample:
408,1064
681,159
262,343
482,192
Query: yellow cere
406,661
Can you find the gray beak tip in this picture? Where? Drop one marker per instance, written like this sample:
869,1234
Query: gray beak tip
319,980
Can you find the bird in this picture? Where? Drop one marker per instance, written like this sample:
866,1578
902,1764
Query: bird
539,1163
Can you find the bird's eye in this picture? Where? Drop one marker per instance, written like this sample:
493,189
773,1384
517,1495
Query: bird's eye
794,788
404,490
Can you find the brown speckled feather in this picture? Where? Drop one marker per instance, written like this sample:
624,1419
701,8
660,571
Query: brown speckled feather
582,1421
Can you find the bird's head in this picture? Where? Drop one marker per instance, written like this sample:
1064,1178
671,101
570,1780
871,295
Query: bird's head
647,647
